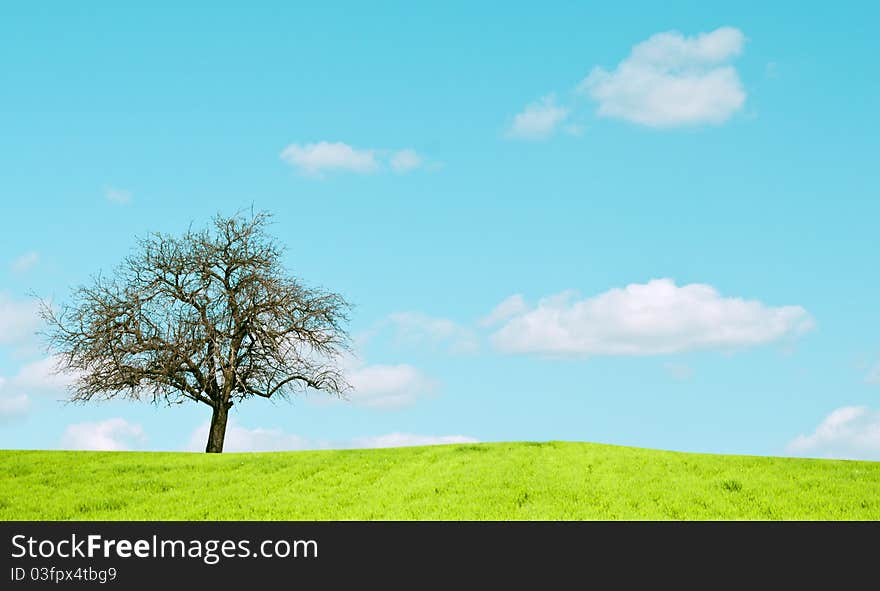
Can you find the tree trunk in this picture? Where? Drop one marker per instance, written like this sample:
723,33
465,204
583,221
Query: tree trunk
217,432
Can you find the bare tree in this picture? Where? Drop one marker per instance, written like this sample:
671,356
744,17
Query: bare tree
210,317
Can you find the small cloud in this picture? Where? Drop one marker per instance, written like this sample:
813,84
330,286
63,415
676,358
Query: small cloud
539,119
873,376
418,328
771,70
679,371
111,435
849,432
115,195
671,80
409,440
25,262
317,158
405,160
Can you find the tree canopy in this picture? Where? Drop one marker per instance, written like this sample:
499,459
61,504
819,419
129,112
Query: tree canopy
210,316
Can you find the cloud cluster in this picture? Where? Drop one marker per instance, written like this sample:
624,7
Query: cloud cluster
849,432
654,318
319,158
670,80
241,439
388,387
115,434
43,375
38,377
18,320
12,405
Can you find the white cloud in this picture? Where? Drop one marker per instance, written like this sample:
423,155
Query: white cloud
36,377
42,375
25,262
671,80
508,308
409,439
18,320
873,376
380,386
647,319
418,328
316,158
11,405
388,386
849,432
111,435
405,160
241,439
539,119
115,195
259,439
575,129
679,371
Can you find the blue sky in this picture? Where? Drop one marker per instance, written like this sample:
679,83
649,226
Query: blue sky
701,180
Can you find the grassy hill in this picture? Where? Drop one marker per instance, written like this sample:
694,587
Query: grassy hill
497,481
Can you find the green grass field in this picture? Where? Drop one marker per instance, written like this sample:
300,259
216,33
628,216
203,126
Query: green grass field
496,481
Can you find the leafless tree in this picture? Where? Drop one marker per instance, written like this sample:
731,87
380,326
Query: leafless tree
210,316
